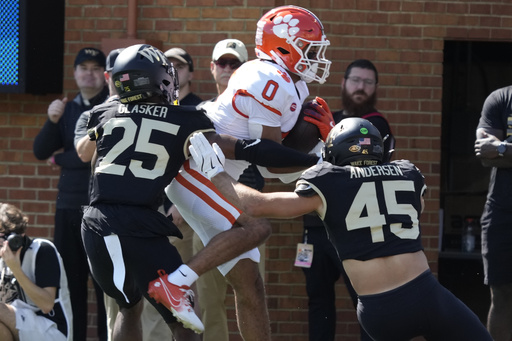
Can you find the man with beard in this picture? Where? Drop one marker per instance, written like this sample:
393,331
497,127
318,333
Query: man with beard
359,96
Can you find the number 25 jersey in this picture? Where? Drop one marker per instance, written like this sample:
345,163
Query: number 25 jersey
369,212
142,149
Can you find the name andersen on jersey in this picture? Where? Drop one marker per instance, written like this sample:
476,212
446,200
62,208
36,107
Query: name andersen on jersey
376,170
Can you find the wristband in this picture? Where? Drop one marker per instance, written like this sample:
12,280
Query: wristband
93,136
95,133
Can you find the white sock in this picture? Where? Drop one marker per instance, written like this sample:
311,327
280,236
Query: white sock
184,275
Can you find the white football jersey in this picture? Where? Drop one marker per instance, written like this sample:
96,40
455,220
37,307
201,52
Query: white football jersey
259,93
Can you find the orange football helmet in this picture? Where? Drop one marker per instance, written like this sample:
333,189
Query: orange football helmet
294,38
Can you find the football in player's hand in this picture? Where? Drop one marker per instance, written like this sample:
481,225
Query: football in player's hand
303,136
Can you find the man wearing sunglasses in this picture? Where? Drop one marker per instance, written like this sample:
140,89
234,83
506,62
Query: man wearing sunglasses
228,55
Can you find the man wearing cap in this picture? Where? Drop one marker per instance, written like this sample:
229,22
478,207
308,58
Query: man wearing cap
54,143
183,63
81,124
227,56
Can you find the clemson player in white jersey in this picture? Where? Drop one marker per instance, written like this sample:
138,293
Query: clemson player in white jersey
263,100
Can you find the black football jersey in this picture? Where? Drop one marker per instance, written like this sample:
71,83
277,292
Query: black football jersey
141,150
371,211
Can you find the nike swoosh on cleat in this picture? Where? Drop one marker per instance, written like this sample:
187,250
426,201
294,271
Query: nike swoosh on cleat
173,301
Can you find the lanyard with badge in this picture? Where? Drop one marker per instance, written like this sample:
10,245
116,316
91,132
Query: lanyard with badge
304,256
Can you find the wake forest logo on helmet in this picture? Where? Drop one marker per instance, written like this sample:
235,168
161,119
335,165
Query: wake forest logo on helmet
153,55
127,80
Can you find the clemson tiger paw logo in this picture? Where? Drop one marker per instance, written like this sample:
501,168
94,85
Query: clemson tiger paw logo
285,27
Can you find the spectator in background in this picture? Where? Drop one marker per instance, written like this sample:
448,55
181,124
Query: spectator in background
55,144
184,65
34,296
493,147
359,97
81,124
228,55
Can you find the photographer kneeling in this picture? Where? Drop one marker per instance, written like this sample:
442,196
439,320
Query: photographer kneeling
34,296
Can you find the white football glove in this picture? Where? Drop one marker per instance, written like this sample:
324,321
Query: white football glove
210,159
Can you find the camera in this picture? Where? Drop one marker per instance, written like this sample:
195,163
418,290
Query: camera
15,241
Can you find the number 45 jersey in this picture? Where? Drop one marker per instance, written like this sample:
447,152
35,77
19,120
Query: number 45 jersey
141,150
370,211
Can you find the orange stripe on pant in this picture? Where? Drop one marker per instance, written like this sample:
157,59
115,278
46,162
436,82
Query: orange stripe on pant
207,199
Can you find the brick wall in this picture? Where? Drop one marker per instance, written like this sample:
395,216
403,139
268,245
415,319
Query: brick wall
403,38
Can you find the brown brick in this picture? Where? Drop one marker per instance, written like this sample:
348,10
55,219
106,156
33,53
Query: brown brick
404,38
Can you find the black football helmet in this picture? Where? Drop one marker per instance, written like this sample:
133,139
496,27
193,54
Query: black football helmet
353,141
141,72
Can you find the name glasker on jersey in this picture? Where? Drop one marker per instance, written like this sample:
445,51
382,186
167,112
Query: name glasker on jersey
145,109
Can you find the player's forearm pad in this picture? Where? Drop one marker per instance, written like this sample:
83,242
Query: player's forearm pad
268,153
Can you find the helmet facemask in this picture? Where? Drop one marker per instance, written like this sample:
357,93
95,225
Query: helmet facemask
312,60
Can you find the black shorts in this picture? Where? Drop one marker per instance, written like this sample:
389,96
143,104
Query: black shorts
421,307
124,265
497,245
